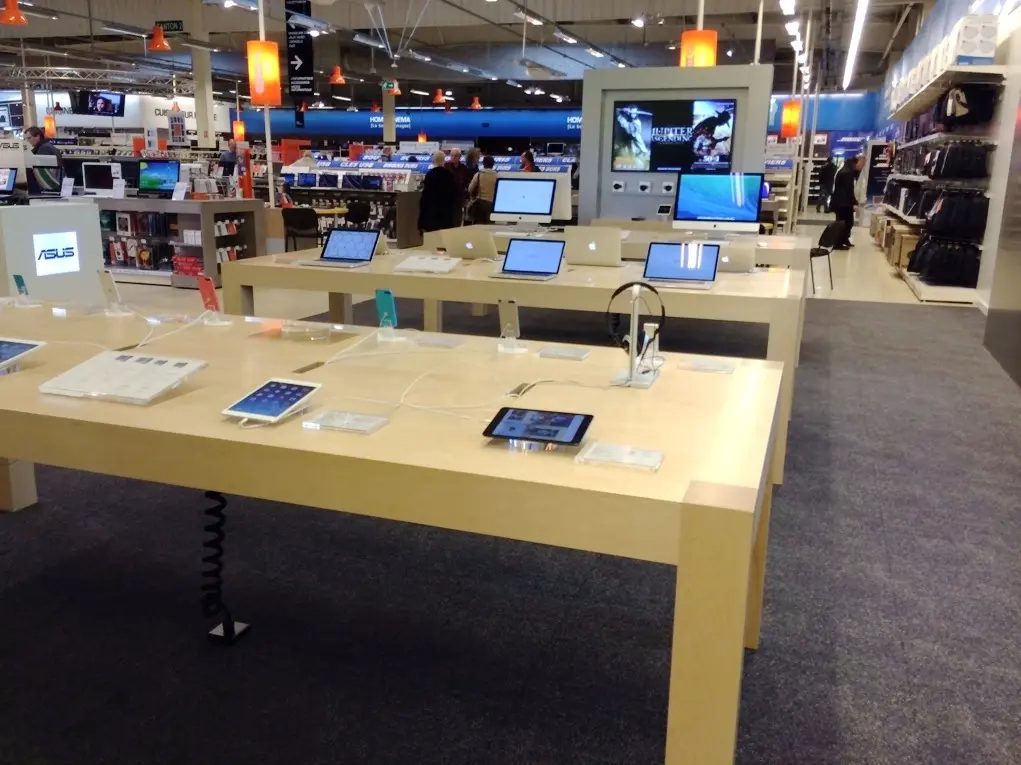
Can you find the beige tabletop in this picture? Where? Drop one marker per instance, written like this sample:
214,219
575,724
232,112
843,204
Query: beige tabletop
771,297
705,511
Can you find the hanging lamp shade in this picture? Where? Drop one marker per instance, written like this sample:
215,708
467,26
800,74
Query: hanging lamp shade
264,72
50,126
303,106
337,76
439,98
396,91
238,129
159,43
12,15
790,118
175,107
375,107
476,105
422,138
698,47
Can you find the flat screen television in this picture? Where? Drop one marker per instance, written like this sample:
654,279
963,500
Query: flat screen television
687,136
98,103
159,176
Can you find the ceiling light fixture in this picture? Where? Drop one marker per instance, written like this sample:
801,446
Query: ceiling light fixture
595,53
366,40
638,21
514,84
730,53
563,36
793,28
418,92
132,31
533,20
342,98
621,65
787,6
860,12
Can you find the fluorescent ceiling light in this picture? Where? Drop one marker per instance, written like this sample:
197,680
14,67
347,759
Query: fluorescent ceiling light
595,53
672,46
621,65
342,98
793,27
514,84
787,6
447,94
38,15
366,40
797,45
533,20
416,55
200,44
638,21
852,51
802,57
562,35
127,31
416,92
730,52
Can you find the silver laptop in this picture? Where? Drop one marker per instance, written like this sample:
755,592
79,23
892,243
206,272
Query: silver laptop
469,243
536,260
592,246
683,265
738,259
346,248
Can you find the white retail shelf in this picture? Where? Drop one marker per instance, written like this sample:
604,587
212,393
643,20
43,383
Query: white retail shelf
937,137
927,293
906,177
906,218
929,93
141,276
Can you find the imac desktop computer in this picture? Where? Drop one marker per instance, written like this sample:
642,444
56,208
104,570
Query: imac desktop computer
97,179
722,203
158,177
523,200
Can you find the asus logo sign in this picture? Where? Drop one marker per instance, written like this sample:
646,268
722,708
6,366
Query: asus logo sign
54,252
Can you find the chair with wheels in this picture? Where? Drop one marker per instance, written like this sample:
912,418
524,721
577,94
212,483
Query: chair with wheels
358,214
300,223
829,239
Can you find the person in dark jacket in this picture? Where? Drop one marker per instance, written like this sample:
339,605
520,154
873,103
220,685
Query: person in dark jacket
440,197
826,175
40,143
843,201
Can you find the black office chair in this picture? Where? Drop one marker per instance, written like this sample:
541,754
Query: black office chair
358,214
300,222
830,238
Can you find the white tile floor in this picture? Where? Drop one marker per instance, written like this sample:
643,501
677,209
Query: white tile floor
860,273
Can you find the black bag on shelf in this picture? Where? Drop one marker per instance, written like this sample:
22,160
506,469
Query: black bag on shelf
957,214
945,263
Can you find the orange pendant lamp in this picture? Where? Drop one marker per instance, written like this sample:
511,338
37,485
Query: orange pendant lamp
395,92
50,126
375,107
439,98
790,118
159,43
422,138
238,129
264,72
476,105
337,76
12,15
698,47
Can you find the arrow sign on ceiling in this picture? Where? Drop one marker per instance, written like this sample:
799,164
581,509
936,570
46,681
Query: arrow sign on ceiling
300,51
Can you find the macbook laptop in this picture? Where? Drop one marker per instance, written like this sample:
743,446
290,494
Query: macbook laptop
685,265
532,259
469,243
346,248
736,260
592,245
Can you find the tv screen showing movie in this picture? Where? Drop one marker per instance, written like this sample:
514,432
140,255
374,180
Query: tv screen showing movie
673,136
98,103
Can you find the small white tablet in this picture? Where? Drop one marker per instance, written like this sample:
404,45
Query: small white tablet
273,400
12,351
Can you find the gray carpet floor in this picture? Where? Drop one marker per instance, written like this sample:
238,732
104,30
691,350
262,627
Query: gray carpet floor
891,632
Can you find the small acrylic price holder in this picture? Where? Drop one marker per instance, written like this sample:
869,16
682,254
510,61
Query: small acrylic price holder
621,455
565,353
216,319
304,331
710,364
349,422
24,301
508,342
388,333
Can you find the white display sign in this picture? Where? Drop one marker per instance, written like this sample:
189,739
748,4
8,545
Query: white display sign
180,190
67,188
56,253
414,147
118,188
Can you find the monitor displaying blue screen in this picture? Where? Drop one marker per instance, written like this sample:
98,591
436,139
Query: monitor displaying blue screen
524,196
735,197
272,399
158,175
533,256
8,176
682,261
350,245
307,179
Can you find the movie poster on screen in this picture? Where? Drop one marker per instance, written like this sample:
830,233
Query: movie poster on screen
673,136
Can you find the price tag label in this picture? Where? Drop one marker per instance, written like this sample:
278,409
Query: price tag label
180,190
66,188
118,188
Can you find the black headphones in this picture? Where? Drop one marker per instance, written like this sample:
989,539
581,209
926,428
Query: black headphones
613,319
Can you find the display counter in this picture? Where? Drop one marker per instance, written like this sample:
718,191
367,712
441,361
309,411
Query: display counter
170,242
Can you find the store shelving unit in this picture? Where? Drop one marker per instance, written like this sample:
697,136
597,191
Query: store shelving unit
928,293
930,92
909,219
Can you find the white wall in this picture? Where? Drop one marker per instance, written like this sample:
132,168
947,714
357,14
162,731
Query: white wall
140,112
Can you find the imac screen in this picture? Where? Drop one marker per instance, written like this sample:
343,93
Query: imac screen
524,196
736,197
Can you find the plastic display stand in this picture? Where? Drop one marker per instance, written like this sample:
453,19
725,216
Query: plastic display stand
565,353
24,301
707,364
597,453
433,340
508,342
349,422
217,319
117,311
388,333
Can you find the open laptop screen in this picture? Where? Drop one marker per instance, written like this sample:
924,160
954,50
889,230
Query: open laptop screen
349,245
682,261
533,256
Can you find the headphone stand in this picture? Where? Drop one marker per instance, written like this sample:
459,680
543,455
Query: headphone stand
633,377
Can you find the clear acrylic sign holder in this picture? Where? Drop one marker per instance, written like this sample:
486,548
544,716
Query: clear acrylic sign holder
216,319
508,342
387,332
349,422
621,455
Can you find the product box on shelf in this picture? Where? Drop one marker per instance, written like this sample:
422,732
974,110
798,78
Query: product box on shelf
972,41
903,245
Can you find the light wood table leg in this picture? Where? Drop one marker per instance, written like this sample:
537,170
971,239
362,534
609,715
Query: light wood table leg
757,575
783,346
707,656
238,299
17,485
432,315
342,309
480,309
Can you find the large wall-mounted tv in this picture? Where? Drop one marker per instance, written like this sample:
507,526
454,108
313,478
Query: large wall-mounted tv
673,136
98,103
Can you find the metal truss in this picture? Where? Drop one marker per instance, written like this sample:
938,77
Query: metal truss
16,77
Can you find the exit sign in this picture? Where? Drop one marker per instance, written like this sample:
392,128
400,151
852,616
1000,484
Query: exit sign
171,26
389,84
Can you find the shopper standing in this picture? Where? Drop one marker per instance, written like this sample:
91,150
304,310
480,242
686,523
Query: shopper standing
436,209
843,200
528,162
482,191
827,173
40,143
